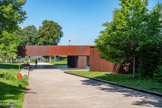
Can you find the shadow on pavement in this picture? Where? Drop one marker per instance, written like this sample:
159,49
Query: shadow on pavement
29,92
147,100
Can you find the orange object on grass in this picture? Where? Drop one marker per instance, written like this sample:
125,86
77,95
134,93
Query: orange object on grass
19,76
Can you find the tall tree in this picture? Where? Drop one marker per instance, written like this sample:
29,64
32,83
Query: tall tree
9,45
30,35
19,33
50,33
124,38
27,35
11,14
151,45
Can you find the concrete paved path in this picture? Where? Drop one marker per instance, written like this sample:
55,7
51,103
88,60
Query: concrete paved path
52,88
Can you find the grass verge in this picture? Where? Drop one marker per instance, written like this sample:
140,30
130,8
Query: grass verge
9,90
9,65
125,79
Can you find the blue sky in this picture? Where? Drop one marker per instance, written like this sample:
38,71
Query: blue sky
81,20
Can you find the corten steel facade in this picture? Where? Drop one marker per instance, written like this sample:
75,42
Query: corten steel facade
78,56
52,50
100,65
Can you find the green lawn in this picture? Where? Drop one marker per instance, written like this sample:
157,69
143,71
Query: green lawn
59,62
9,65
9,90
126,79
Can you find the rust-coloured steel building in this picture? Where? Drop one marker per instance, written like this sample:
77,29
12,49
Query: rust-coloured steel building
78,56
52,50
100,65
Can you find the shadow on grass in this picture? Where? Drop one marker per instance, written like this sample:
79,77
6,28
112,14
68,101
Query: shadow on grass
9,92
146,100
9,66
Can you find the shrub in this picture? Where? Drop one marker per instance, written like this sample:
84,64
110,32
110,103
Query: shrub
2,75
159,73
9,76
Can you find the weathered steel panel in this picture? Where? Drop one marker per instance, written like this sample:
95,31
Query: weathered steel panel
72,50
86,50
91,59
53,50
63,50
82,62
101,65
80,50
44,50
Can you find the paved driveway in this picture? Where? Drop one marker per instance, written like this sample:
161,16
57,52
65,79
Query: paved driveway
52,88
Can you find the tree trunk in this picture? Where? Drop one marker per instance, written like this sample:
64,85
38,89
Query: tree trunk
3,60
134,66
55,59
6,59
50,59
29,59
11,60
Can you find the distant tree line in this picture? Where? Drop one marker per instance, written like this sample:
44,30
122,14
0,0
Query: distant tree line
134,37
49,33
11,35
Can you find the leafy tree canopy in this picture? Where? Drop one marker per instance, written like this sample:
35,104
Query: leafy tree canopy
49,33
132,35
9,45
27,35
11,14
